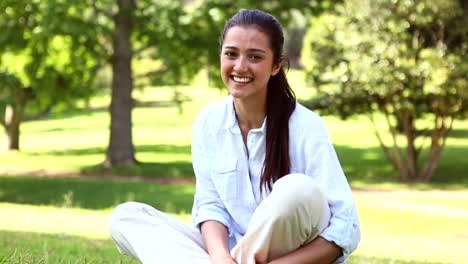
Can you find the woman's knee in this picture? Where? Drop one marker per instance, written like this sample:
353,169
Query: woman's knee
121,212
296,193
298,186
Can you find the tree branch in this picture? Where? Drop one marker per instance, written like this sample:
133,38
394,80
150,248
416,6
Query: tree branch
398,155
412,156
384,147
439,138
421,146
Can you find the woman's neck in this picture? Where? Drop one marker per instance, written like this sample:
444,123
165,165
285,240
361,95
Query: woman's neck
249,115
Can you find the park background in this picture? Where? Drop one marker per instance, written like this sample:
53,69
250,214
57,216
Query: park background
97,99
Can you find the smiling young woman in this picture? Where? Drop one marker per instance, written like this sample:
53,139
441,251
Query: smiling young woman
269,186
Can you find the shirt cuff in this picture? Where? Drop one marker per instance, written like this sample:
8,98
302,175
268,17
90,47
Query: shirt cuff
343,257
344,235
211,212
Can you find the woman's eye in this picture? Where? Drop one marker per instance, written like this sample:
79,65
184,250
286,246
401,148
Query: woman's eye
255,57
230,54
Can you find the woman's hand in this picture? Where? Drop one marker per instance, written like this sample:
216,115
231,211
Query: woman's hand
224,260
215,236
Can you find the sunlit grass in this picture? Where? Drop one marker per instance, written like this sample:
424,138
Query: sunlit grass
59,220
414,225
43,248
78,140
397,227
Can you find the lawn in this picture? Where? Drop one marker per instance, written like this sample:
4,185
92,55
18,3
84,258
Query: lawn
404,226
77,141
62,219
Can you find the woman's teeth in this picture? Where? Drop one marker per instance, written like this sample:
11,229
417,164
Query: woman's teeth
241,79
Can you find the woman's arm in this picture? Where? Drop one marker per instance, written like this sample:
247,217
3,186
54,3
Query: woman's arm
317,251
209,213
322,164
215,236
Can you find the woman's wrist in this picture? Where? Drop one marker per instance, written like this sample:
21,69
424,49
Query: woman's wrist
215,235
223,258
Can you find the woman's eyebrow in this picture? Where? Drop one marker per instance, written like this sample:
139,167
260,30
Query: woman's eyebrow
256,50
251,49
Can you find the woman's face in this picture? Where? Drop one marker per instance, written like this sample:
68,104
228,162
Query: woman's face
247,63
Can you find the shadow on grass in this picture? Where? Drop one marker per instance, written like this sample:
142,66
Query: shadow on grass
161,148
79,112
26,247
177,169
362,166
459,133
369,166
94,193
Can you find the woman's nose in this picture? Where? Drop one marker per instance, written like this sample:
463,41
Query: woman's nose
241,64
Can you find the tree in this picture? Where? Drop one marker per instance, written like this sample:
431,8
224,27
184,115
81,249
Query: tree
180,35
406,59
12,101
125,33
121,150
40,67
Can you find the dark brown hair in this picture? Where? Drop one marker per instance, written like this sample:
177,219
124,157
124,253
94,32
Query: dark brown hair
281,100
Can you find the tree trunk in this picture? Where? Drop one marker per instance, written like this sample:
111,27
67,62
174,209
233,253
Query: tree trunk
121,151
412,154
438,138
12,127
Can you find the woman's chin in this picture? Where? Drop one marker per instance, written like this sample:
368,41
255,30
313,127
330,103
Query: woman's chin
237,94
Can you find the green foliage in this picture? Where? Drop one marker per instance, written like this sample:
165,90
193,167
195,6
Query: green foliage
9,83
44,57
412,53
207,18
407,59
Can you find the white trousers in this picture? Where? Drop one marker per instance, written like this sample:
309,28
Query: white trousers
293,214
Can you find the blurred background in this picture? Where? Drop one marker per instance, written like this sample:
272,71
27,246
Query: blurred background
97,100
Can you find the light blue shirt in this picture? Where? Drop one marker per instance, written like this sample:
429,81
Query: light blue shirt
227,179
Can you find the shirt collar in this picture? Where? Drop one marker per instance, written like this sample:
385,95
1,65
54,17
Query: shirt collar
231,120
263,127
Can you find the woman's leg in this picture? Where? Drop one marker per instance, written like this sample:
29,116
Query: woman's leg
150,236
293,214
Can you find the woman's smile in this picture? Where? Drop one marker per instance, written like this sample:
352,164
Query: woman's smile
242,80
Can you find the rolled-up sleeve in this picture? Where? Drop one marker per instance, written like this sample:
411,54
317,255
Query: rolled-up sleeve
343,228
207,204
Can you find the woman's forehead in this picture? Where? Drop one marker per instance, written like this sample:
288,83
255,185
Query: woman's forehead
246,37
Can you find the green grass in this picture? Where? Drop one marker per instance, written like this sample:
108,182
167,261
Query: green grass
397,226
77,141
63,220
414,225
94,194
38,248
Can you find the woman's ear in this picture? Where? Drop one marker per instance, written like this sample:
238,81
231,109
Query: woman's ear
276,68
